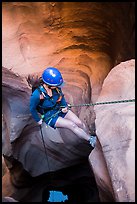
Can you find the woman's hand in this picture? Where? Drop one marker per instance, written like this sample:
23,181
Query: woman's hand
64,110
40,122
41,96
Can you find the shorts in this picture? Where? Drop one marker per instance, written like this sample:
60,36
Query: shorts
52,121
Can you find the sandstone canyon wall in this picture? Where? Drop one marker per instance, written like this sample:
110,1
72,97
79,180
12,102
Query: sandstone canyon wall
115,127
86,41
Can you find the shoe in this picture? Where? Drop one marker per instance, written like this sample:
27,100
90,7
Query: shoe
92,141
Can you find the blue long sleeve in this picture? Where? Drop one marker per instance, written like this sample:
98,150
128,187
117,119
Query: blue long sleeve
49,105
34,101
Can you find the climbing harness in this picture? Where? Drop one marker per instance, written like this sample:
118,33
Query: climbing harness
49,118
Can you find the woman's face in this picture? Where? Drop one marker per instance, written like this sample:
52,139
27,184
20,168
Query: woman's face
50,87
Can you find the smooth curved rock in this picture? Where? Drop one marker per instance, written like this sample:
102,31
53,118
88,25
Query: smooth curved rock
76,37
114,161
8,199
63,147
84,40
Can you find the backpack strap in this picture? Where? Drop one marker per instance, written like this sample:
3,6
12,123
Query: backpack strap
41,100
41,92
60,93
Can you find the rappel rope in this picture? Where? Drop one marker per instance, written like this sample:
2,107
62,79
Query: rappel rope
101,103
46,155
44,147
89,104
78,105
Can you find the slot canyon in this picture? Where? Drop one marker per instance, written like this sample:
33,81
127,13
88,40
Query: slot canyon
93,46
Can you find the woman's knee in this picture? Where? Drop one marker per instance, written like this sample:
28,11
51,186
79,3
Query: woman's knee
73,125
80,124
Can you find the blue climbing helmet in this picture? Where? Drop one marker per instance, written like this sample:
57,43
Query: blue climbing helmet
52,77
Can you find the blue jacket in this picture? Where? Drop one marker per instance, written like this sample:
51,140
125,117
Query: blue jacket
48,106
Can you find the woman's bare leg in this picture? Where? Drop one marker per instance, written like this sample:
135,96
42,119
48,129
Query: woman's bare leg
71,116
66,123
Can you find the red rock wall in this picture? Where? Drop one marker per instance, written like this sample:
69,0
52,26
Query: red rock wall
113,161
84,40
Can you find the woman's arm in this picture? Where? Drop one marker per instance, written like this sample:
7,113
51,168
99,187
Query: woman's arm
34,101
63,101
64,104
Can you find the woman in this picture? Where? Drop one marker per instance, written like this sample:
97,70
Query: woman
49,101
